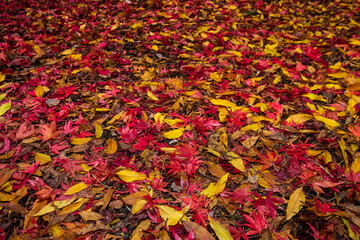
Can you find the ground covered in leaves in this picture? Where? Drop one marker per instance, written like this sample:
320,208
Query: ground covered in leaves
179,119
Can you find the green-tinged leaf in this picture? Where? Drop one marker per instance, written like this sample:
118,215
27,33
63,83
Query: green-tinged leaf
4,108
221,232
42,158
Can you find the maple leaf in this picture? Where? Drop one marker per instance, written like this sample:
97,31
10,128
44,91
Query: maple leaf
24,131
355,130
48,131
257,223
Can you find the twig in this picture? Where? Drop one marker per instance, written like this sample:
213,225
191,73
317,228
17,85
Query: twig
99,181
209,177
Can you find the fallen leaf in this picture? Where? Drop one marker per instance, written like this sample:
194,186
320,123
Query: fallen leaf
221,232
76,188
130,176
90,216
4,108
42,158
170,215
111,147
199,231
174,133
79,141
296,201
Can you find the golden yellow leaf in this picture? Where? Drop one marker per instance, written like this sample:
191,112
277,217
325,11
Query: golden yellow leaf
250,141
7,197
144,225
174,133
111,146
42,158
170,215
168,150
155,48
57,230
221,232
215,76
296,201
355,166
252,127
238,164
224,139
172,121
72,207
98,130
4,108
116,117
51,206
354,41
102,109
148,76
314,97
90,216
67,52
130,176
221,102
338,75
39,91
79,141
152,96
2,96
236,53
216,189
299,118
2,77
138,205
213,152
76,188
329,123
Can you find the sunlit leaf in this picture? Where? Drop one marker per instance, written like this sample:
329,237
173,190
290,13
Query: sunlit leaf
42,158
299,118
170,215
221,102
73,207
329,123
152,96
98,130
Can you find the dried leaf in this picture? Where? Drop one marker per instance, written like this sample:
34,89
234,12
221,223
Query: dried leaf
90,216
329,123
238,163
199,231
152,96
79,141
111,146
73,207
42,158
296,201
98,130
221,102
170,215
299,118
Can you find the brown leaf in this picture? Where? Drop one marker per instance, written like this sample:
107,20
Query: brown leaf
199,231
90,216
5,175
215,169
14,207
107,198
117,204
249,142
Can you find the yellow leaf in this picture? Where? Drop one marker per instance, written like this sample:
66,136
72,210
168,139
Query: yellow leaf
152,96
102,109
138,205
314,97
155,48
221,232
42,158
168,150
296,201
236,53
2,96
57,230
130,176
51,206
253,127
79,141
170,215
148,76
215,76
343,151
67,52
7,197
98,130
354,41
111,146
2,77
213,152
174,133
72,207
329,123
277,80
338,75
216,189
76,188
238,164
221,102
144,225
224,139
172,121
299,118
159,117
40,91
4,108
355,166
116,117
